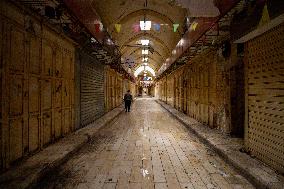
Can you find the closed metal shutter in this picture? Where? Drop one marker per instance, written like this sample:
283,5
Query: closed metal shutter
265,97
92,89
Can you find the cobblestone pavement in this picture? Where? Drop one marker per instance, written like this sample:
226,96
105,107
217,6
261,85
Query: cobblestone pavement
146,148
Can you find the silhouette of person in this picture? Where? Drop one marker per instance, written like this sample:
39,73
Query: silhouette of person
127,101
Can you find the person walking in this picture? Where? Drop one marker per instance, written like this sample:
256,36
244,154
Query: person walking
127,101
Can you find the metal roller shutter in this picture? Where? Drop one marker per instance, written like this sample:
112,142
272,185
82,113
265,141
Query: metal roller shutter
265,97
92,89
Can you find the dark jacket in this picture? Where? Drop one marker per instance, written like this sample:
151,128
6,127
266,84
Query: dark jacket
127,96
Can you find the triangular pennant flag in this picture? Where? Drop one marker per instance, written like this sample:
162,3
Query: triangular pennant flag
117,27
193,26
157,27
175,27
98,27
265,16
136,27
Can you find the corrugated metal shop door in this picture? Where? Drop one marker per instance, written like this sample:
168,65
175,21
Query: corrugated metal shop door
92,89
265,97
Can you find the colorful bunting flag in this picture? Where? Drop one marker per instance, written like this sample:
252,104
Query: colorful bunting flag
175,27
117,27
265,16
157,27
193,26
98,27
136,28
164,27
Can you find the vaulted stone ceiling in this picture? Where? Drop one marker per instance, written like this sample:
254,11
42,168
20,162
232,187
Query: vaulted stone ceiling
131,12
168,46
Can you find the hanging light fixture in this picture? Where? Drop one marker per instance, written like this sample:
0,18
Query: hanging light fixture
145,59
145,25
145,51
144,42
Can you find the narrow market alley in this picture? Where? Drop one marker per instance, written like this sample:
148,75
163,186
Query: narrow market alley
138,94
145,148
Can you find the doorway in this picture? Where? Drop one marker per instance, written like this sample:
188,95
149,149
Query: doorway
237,100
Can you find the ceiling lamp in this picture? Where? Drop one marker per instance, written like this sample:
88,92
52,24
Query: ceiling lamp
145,51
142,68
145,25
145,59
145,42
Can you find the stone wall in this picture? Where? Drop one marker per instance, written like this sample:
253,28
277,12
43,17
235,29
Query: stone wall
202,88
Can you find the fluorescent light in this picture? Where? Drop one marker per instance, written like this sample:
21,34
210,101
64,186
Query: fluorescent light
141,69
145,59
145,51
145,42
145,25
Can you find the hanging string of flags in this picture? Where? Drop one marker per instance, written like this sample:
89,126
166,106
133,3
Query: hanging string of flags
193,26
175,27
157,27
265,18
117,27
146,25
136,28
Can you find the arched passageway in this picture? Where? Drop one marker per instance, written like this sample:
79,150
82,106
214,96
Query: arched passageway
205,76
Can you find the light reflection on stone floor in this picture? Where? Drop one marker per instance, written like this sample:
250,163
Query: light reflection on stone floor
146,148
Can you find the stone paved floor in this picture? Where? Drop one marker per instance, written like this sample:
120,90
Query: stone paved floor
146,148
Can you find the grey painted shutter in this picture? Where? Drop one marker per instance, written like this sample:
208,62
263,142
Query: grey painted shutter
92,89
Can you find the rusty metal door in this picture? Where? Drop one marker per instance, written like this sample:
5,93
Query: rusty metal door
34,50
32,86
68,83
57,93
46,104
16,70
